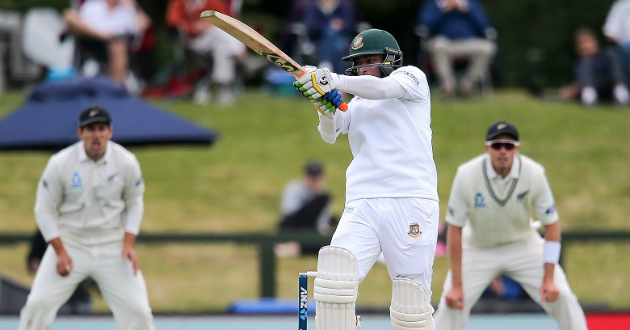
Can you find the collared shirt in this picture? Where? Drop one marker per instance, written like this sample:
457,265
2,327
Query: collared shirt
390,139
94,202
495,210
500,183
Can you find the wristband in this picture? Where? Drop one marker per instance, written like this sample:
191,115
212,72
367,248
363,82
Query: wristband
551,252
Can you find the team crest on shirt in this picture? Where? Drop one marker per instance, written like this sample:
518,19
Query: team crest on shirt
76,181
414,230
480,202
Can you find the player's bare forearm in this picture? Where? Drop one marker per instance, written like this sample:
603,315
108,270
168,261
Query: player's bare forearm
454,244
130,239
129,251
64,261
455,296
552,234
57,245
548,274
548,291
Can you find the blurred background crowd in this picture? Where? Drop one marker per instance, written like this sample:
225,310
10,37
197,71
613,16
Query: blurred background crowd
559,50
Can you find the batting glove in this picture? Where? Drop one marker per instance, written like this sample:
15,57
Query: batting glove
334,97
324,107
315,84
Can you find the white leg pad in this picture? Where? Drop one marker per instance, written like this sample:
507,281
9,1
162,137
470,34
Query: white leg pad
336,289
410,309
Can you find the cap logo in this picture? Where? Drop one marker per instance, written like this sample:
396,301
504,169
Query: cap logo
357,43
93,113
501,126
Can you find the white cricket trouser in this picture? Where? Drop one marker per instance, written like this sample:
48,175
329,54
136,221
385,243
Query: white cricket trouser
369,226
444,51
125,293
224,49
521,261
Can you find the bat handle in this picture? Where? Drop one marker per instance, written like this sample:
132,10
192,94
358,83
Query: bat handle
343,106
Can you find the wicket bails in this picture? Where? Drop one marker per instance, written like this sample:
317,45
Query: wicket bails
303,299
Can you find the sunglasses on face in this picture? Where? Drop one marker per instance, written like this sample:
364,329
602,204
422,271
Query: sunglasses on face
508,145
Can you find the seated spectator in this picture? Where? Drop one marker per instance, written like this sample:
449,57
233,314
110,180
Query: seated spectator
293,39
598,73
617,29
105,29
330,25
305,205
216,50
458,29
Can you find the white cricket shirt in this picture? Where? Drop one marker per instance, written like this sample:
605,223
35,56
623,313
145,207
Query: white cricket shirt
617,23
95,202
118,20
495,211
390,140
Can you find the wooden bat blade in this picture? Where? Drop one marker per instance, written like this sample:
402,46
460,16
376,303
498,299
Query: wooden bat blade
253,40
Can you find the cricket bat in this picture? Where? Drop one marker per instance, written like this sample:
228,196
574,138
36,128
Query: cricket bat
257,43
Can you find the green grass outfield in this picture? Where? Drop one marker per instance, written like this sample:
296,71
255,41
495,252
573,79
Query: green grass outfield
234,186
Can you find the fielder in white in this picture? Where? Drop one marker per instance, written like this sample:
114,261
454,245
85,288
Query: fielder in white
490,233
89,208
391,191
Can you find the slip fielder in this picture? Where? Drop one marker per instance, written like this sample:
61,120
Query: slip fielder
489,233
89,208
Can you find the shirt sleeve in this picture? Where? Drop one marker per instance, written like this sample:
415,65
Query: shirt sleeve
49,198
414,82
457,210
133,196
544,204
370,87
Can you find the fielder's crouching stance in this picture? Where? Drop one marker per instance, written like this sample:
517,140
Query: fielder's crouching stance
89,209
489,233
391,191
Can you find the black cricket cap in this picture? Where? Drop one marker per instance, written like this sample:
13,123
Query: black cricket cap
314,168
94,114
501,128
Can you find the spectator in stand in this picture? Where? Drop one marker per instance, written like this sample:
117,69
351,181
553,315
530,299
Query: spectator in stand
617,29
598,73
294,30
330,25
106,27
458,29
305,205
209,44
